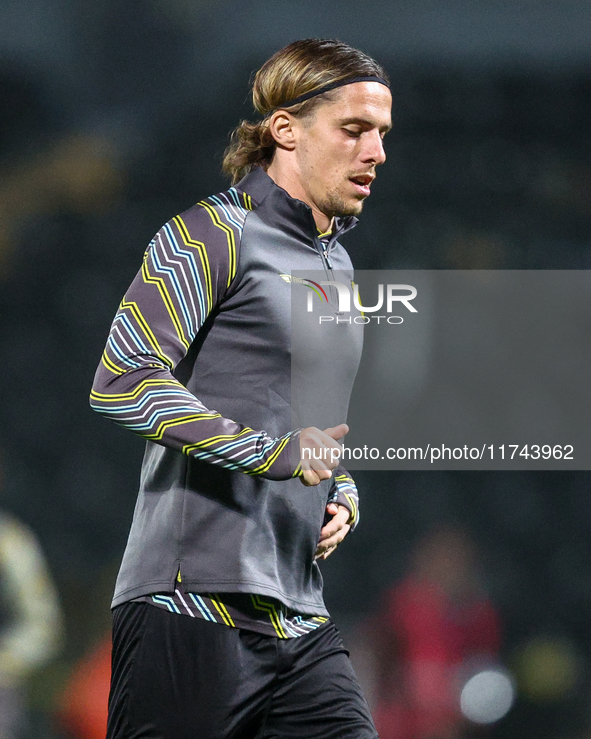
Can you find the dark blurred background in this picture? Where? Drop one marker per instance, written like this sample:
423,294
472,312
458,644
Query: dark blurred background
114,117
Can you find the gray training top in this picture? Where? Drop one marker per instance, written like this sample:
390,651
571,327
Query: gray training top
198,361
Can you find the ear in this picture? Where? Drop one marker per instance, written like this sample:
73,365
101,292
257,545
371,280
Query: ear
282,126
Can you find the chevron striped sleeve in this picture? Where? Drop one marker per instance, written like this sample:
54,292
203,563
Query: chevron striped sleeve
344,492
186,271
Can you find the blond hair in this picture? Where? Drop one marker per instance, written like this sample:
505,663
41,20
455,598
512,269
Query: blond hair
301,67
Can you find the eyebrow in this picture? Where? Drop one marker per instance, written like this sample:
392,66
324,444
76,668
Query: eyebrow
364,122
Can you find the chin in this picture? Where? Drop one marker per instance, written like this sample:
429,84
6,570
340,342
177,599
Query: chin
353,210
343,209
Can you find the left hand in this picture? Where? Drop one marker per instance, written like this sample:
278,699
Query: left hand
334,532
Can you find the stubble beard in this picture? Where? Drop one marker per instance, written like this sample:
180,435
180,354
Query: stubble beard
335,205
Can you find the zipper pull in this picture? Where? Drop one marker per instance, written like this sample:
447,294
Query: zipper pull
326,254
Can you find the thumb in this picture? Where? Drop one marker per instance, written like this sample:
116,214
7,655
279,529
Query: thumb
336,432
332,509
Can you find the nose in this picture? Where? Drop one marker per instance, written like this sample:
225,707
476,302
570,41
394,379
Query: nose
374,149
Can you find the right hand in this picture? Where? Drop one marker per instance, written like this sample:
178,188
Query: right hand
322,452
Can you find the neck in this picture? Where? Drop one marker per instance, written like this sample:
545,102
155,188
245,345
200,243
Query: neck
292,184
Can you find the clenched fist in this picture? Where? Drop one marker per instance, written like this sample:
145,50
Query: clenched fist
320,452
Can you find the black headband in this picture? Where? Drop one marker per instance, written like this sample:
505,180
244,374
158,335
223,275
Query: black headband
326,88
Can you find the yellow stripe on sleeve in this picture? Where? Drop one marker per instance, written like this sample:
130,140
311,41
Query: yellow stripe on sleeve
213,214
133,307
110,366
200,246
167,300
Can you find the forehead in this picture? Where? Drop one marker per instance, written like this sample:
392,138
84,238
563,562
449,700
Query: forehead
369,100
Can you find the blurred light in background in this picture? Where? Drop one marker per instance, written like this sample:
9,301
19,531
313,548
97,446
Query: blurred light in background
548,668
487,696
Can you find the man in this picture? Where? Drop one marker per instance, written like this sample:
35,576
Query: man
220,629
30,620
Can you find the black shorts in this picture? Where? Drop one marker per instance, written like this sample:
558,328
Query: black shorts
176,677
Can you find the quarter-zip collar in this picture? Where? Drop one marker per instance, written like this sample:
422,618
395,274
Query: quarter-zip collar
290,214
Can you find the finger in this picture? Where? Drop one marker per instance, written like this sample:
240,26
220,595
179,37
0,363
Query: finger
332,509
314,477
309,478
321,465
324,553
337,432
309,463
337,522
331,529
334,539
318,450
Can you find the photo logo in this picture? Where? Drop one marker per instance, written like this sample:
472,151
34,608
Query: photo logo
308,283
391,295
